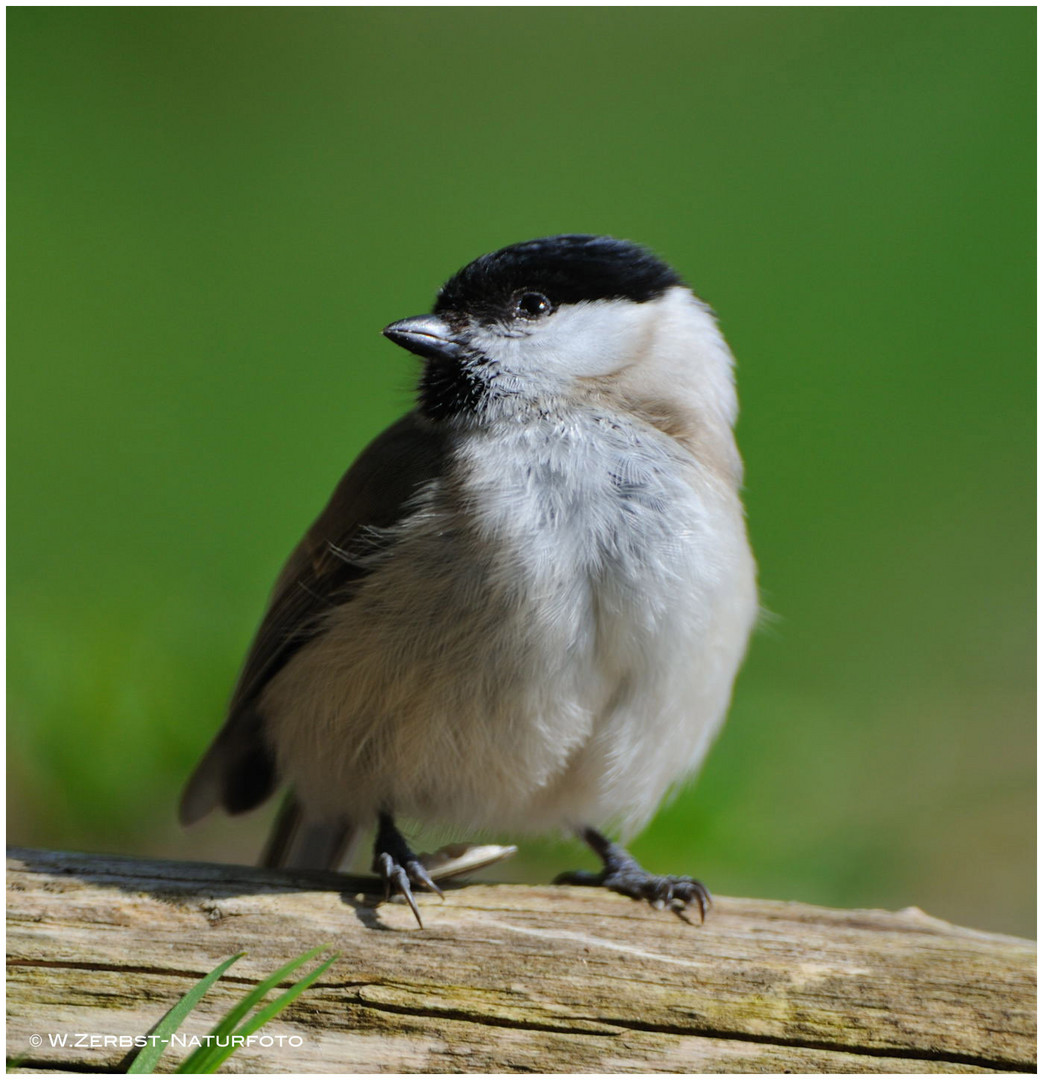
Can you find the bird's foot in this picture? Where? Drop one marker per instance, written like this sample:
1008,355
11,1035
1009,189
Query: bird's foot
399,868
622,873
399,878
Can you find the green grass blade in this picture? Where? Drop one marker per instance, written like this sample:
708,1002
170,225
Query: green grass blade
209,1056
288,997
259,1019
145,1061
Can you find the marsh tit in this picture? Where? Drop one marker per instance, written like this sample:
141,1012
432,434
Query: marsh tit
525,605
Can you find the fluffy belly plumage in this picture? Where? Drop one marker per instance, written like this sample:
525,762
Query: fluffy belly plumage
561,660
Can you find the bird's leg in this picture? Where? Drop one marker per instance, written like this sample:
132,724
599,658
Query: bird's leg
622,873
398,867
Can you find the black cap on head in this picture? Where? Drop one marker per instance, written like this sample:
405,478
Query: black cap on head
566,269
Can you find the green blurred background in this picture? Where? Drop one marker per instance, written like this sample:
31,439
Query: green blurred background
212,213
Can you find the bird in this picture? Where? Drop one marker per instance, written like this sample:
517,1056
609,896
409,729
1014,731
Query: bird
524,607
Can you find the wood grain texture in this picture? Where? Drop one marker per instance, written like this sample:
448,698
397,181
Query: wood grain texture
503,978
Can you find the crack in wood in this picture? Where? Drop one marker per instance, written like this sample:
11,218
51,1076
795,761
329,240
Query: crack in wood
620,1026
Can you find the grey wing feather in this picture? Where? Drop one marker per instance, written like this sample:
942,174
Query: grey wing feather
238,771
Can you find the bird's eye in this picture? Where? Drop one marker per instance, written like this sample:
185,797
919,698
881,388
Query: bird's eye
532,305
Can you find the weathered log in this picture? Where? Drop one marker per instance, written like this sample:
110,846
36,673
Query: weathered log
503,978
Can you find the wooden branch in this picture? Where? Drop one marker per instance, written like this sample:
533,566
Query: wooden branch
503,978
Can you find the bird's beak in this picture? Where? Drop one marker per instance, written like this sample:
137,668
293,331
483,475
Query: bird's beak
426,335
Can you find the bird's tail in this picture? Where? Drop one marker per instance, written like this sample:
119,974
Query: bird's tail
298,844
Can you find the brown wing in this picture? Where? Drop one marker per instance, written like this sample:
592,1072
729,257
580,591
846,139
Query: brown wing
238,770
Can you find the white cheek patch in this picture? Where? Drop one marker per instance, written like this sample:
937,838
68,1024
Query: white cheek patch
591,339
582,340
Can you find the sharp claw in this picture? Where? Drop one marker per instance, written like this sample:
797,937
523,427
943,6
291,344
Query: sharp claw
695,893
419,876
386,867
407,892
397,882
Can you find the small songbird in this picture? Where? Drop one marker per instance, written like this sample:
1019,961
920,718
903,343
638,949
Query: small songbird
525,605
